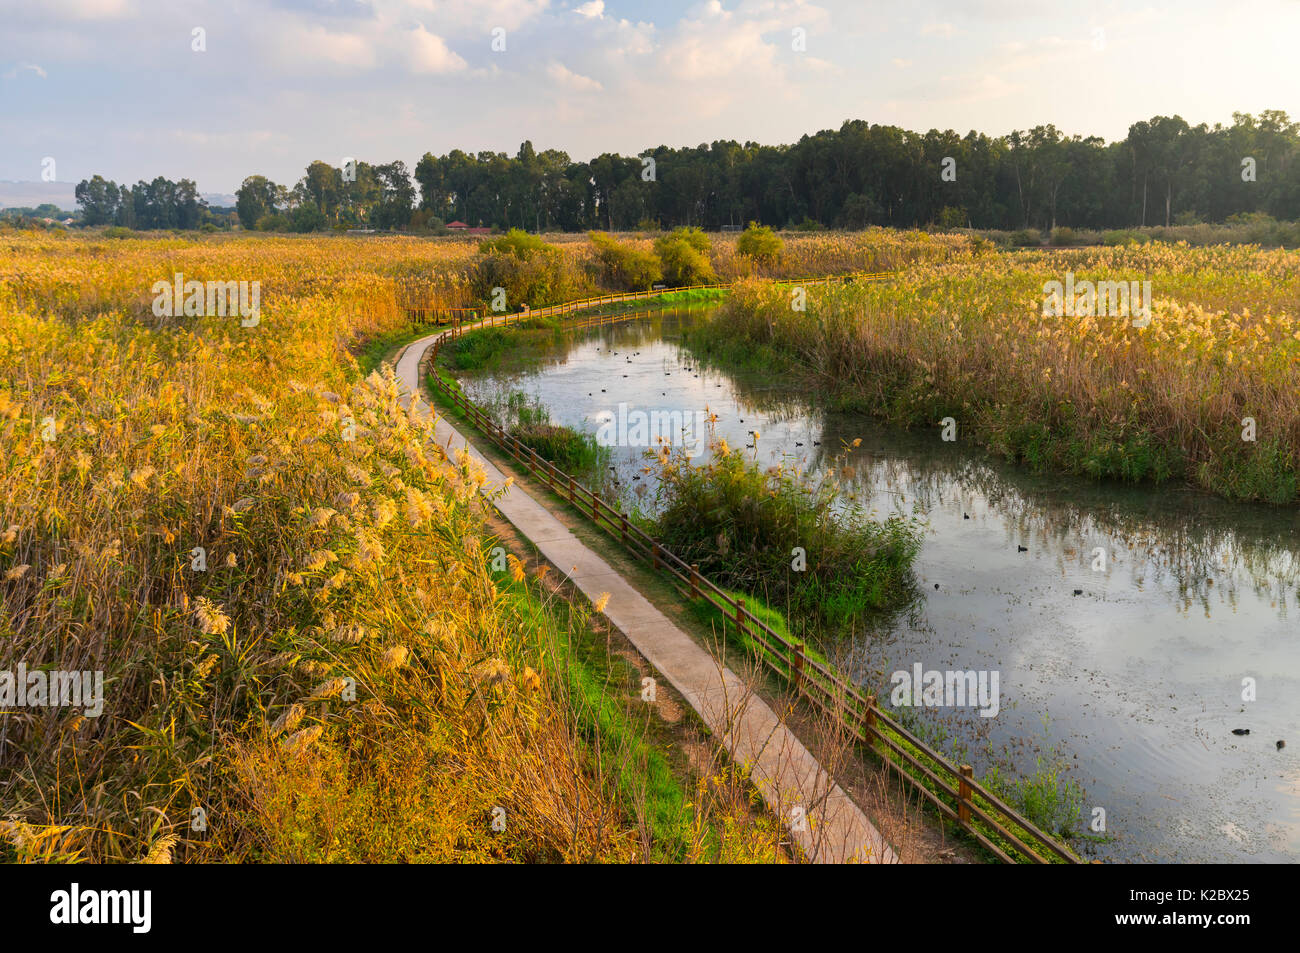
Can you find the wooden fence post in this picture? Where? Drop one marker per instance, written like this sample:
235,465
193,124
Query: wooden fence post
798,667
654,554
871,718
573,497
622,525
964,792
695,580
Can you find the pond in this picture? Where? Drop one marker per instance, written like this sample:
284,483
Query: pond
1121,621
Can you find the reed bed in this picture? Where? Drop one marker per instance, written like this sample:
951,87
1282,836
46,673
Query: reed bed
1207,392
306,655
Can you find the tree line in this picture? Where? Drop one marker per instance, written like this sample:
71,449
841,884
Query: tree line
1164,172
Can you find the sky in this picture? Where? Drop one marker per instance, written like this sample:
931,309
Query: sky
120,87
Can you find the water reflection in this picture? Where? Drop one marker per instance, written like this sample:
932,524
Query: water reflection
1132,665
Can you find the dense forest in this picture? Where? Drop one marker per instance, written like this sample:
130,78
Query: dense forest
1164,172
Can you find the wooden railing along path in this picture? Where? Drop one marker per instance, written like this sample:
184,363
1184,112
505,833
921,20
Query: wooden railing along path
949,788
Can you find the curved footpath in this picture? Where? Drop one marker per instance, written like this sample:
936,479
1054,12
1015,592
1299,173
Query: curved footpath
826,824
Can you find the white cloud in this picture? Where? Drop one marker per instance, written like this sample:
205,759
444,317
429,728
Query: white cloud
632,39
818,65
565,77
429,53
316,44
454,17
595,9
88,9
717,45
901,63
937,29
13,73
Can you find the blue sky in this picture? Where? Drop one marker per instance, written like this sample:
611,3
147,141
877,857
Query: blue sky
114,86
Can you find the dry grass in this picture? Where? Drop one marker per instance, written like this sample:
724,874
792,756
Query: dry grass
345,681
968,338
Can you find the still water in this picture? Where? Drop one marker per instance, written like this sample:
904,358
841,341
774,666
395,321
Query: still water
1133,685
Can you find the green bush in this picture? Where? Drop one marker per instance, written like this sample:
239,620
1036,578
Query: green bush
531,271
950,217
275,222
308,218
685,257
572,451
515,242
626,267
760,243
741,524
1121,236
1026,238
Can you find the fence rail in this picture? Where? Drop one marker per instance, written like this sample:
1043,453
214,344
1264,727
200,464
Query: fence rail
951,788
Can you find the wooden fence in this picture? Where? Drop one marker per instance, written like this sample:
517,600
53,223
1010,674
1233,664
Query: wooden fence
949,787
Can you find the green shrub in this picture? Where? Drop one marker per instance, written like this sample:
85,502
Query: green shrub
624,266
1026,238
950,217
531,271
274,222
308,218
684,255
1121,236
741,524
515,242
760,243
572,451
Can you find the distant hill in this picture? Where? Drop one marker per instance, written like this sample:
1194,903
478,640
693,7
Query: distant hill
64,195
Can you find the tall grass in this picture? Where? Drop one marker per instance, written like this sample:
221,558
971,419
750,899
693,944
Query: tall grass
284,581
1090,395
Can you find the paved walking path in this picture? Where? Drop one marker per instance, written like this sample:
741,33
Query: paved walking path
821,817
